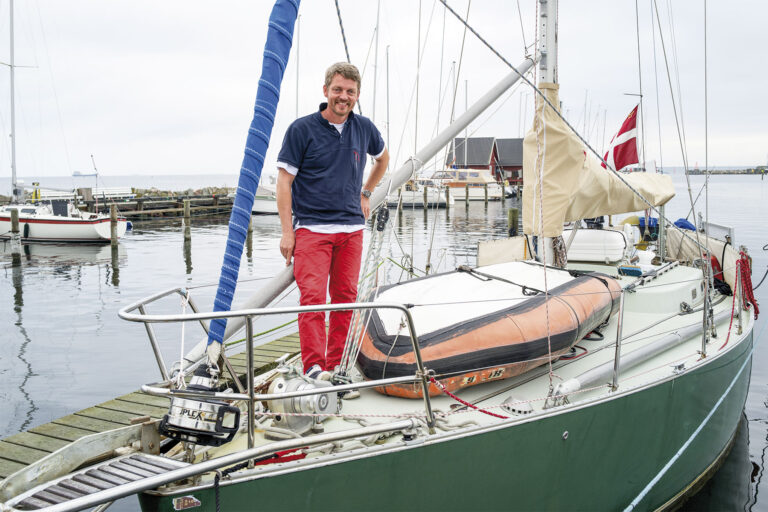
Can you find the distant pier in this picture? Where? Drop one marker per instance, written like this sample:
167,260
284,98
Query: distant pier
138,204
152,207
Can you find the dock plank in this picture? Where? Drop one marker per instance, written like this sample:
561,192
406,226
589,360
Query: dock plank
21,454
285,347
63,432
288,345
96,412
9,467
143,398
36,441
97,425
133,408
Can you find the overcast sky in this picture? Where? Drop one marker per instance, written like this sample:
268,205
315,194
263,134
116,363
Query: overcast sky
168,87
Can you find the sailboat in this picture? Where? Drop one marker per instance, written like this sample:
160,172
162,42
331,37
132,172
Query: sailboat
51,221
633,415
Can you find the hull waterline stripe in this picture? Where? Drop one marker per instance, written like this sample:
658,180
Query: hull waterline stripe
696,432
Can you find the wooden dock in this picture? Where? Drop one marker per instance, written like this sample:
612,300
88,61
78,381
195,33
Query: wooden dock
24,448
144,208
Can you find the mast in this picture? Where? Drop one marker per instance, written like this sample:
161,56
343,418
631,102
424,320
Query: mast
466,134
388,102
547,53
418,70
376,64
548,41
15,192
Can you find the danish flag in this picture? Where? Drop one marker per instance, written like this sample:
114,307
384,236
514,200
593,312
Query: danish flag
623,149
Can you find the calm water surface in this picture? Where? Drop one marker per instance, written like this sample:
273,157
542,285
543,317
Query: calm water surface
64,348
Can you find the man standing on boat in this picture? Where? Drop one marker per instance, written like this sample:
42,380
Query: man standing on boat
320,180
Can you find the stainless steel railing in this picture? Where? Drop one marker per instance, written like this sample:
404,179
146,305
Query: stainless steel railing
127,313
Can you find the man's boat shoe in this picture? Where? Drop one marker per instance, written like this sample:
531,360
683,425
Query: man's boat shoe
317,373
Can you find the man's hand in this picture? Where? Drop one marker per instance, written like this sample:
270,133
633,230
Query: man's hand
365,204
288,240
287,243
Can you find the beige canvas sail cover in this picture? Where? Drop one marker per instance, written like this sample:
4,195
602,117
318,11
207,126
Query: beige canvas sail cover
575,185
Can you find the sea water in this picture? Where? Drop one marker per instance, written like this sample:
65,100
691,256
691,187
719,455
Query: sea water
65,349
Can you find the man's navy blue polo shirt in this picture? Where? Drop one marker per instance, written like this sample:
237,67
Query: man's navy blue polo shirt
327,187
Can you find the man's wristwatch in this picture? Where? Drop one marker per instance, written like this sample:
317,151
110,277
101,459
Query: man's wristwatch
366,193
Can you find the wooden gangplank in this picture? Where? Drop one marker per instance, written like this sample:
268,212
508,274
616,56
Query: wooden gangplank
24,448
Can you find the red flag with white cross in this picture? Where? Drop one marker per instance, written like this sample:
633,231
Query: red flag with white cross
623,149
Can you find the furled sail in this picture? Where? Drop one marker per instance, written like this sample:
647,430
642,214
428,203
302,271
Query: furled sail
276,52
565,183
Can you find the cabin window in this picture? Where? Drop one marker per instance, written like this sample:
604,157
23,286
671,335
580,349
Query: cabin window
462,175
474,174
28,210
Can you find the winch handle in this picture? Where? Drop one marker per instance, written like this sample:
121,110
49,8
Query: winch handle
220,428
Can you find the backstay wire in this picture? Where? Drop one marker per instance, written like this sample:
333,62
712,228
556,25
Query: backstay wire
346,48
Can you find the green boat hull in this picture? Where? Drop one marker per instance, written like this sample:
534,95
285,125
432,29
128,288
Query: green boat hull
598,456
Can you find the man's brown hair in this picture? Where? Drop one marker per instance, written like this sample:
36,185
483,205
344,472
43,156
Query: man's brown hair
348,71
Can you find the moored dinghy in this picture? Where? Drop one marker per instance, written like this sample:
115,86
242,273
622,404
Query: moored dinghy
482,324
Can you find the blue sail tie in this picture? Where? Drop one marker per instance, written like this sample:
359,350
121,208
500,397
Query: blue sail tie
276,52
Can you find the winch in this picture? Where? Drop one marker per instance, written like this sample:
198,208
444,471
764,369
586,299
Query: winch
324,403
201,421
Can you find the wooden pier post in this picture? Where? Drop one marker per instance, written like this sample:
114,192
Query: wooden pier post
15,239
113,224
426,196
186,223
513,214
485,191
466,193
447,197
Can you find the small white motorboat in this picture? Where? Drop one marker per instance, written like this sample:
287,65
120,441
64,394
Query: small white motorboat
58,221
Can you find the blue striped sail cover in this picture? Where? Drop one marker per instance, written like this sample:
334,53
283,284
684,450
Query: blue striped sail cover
276,52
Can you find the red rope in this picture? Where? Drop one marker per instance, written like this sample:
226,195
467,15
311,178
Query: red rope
283,456
733,309
743,273
471,406
746,281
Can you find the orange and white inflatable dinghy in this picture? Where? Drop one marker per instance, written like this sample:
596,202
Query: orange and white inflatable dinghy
486,323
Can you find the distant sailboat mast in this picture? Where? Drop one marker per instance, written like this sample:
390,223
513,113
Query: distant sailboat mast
15,192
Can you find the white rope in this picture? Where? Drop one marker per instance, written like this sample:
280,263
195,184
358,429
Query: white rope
541,159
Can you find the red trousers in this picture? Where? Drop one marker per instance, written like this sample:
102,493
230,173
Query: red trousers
316,257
